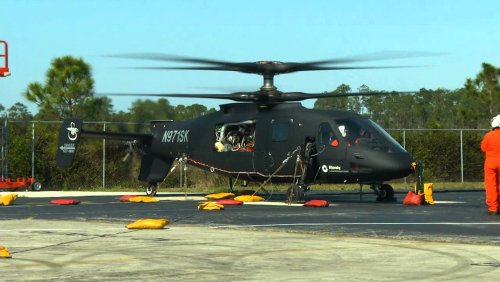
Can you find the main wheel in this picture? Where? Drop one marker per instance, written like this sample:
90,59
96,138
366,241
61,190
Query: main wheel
151,190
295,193
386,193
36,186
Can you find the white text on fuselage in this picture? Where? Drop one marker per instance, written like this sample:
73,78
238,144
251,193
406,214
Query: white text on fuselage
175,136
332,168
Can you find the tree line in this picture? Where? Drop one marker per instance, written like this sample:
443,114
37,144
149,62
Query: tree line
471,106
68,91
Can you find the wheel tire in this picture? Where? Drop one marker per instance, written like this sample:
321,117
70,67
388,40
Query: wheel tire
386,193
295,193
289,195
36,186
151,190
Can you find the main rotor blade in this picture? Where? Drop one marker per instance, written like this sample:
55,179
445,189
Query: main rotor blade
237,96
170,58
219,68
379,56
272,67
259,96
275,69
316,68
300,96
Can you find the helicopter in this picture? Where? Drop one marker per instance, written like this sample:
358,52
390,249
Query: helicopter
265,135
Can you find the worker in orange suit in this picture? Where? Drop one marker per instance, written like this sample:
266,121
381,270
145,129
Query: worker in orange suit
491,147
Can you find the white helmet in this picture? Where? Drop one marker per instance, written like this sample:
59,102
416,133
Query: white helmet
342,130
495,122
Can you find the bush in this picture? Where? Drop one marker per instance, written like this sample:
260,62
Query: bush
438,150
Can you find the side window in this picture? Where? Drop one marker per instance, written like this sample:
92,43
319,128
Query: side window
235,137
280,130
326,135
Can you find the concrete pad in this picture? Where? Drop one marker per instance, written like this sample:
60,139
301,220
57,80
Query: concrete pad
83,251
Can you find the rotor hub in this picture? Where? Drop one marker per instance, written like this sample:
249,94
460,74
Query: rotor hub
268,84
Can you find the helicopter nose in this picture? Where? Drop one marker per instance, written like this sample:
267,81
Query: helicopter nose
383,166
400,165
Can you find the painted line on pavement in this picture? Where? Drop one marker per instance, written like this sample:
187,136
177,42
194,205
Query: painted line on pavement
272,204
356,223
56,229
182,198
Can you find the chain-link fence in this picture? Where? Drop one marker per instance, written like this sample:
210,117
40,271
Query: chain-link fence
29,149
449,155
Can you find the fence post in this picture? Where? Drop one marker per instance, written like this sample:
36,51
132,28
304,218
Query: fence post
6,151
404,146
404,139
461,155
104,159
33,149
3,148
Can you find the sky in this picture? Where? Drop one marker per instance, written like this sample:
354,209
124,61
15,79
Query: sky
467,33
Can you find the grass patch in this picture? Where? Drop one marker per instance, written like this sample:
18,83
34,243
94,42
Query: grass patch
399,186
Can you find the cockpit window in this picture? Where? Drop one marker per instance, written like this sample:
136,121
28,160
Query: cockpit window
364,133
390,139
326,136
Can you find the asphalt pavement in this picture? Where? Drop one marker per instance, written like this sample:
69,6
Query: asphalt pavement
354,239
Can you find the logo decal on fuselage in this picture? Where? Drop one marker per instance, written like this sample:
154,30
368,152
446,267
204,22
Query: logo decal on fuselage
332,168
175,136
324,168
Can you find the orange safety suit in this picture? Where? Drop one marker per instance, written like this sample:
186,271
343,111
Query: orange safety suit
491,147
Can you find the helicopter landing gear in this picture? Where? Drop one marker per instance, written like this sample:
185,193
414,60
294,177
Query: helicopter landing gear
151,189
231,185
385,192
295,193
233,182
36,186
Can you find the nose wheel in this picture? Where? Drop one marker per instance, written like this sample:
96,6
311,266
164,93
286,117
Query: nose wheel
385,193
295,193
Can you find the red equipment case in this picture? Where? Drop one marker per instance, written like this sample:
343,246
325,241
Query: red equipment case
20,183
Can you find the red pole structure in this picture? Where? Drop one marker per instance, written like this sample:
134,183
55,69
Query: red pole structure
4,71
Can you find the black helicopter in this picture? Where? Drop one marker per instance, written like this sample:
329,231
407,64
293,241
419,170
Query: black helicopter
266,136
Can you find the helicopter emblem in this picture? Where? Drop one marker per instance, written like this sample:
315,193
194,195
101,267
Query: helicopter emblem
72,132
